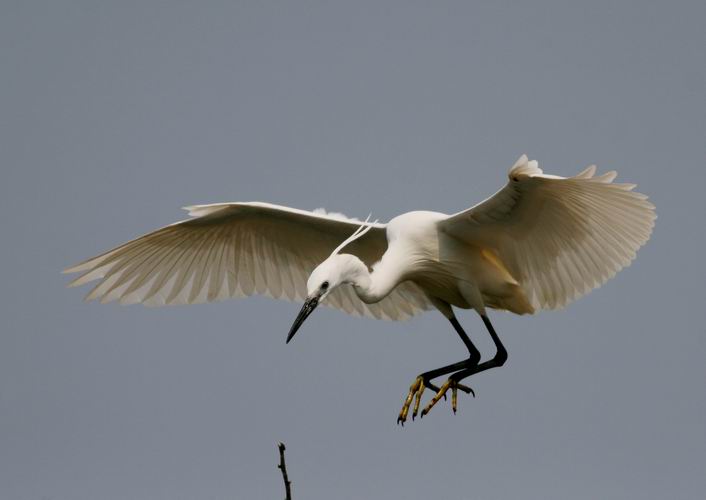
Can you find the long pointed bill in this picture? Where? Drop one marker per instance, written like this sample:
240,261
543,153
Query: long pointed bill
307,308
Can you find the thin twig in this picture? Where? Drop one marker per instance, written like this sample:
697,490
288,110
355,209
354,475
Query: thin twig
283,467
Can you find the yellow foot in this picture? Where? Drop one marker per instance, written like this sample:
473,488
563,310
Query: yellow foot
454,386
415,395
416,389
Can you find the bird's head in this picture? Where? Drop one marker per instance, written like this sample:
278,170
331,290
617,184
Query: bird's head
337,270
330,274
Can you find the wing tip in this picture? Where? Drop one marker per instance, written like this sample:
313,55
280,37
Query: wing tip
586,173
76,268
524,168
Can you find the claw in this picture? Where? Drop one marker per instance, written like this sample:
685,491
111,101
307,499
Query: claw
415,389
441,393
437,397
418,400
466,389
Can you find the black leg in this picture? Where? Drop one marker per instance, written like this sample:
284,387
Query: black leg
472,350
473,358
498,360
424,379
453,382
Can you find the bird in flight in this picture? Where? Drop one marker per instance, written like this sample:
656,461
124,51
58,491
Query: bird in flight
540,242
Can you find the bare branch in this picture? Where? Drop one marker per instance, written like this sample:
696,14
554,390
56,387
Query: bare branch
283,467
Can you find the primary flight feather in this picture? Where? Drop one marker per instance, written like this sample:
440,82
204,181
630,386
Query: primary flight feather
540,242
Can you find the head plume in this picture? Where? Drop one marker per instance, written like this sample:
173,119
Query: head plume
364,228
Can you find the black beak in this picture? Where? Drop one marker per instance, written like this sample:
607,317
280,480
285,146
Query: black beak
307,308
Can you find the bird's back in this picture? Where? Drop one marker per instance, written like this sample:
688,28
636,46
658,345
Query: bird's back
438,263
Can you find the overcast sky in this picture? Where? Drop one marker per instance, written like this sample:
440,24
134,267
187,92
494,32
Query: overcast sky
115,114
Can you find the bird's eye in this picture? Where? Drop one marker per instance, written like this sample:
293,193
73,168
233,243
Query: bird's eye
324,285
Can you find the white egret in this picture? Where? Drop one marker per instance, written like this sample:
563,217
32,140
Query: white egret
538,243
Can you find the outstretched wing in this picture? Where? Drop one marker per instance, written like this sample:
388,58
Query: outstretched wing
240,249
558,237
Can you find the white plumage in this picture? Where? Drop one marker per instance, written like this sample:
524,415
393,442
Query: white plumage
538,243
231,250
556,237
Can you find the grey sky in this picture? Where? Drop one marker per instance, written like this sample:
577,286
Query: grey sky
115,114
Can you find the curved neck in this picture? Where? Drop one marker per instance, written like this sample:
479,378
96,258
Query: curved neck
371,287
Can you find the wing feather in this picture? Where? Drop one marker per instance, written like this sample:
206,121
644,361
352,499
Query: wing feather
239,249
218,272
559,237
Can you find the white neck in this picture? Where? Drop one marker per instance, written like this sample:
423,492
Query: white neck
370,287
